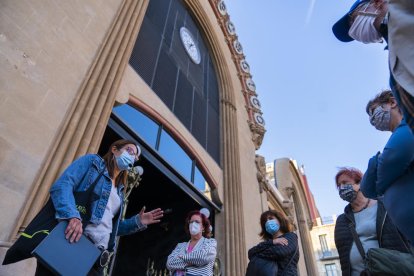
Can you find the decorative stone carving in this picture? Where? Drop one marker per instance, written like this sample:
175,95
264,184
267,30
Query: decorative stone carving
258,132
222,7
287,205
238,47
289,191
255,121
244,66
250,84
261,172
230,28
259,119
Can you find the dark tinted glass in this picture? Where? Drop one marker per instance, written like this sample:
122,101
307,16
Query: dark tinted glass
146,128
199,123
183,105
175,155
190,90
143,58
165,80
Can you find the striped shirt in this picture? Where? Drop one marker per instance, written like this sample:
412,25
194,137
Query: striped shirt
199,261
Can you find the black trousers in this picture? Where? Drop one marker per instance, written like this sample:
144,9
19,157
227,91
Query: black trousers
42,270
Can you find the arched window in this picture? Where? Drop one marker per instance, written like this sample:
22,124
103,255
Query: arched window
170,54
153,134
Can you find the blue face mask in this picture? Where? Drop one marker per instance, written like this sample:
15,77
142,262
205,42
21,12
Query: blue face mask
124,161
272,226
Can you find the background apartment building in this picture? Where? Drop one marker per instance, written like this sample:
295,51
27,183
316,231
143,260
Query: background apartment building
325,252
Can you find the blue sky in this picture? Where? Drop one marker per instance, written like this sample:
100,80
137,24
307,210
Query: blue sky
313,88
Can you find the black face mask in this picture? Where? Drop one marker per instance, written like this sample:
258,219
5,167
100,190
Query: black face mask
347,193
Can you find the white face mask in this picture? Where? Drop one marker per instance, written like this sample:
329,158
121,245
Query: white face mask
194,228
363,29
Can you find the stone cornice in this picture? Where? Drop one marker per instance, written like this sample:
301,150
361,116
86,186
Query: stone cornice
253,107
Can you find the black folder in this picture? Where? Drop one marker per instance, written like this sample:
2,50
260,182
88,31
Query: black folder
65,258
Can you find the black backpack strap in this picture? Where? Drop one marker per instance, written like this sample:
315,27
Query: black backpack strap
85,198
92,187
357,240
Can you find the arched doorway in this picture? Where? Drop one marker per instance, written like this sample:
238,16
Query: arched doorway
145,253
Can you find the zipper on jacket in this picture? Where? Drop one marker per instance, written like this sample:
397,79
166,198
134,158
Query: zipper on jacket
382,226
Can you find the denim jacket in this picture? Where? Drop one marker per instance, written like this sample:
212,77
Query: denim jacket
78,177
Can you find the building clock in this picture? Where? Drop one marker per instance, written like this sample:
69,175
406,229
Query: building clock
255,102
190,45
259,119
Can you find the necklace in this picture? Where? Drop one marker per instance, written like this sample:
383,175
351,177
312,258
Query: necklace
363,208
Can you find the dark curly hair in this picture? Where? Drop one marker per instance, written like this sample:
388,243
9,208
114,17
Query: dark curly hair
381,98
204,220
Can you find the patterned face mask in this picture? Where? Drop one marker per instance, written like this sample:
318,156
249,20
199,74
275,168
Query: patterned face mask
381,118
347,192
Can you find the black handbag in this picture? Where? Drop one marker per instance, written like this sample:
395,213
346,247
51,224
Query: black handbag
262,267
45,221
266,267
383,261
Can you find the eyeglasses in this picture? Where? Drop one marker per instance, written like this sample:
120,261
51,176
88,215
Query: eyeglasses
132,153
376,109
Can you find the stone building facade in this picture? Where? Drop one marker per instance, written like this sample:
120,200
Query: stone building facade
326,254
168,74
288,191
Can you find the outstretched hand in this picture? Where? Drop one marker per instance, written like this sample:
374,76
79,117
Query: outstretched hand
150,217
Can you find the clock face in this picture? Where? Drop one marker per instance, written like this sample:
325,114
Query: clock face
190,45
259,119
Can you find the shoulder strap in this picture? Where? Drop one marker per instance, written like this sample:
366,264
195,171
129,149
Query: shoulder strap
92,187
290,261
357,240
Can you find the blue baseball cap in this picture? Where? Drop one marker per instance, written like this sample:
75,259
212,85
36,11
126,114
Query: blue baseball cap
341,28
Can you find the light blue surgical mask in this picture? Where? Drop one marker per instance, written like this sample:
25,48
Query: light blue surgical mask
124,161
272,226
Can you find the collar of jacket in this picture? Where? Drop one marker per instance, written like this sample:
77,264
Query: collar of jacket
198,244
99,163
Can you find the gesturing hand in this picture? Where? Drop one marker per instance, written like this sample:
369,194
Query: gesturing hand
74,230
150,217
281,241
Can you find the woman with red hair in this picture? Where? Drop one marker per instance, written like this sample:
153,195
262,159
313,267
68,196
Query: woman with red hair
368,220
195,257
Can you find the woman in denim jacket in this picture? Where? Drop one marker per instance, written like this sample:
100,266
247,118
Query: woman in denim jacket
391,173
106,208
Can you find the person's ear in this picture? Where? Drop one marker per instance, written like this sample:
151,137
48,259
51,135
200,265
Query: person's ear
393,103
